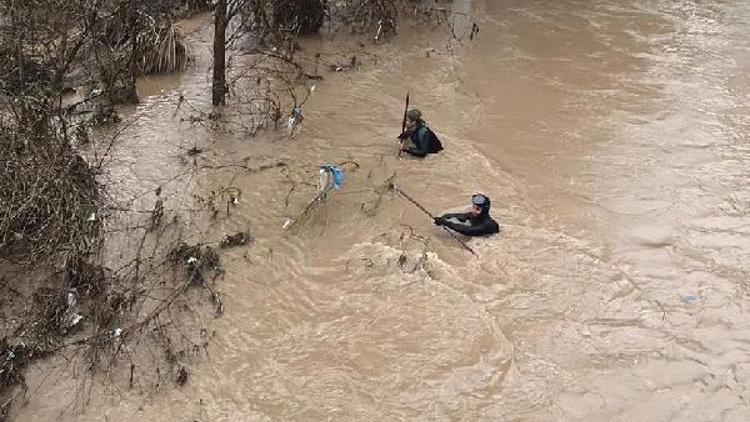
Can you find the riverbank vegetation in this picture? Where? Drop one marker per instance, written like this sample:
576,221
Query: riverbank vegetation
82,271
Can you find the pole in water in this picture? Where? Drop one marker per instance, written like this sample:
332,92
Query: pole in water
424,210
403,123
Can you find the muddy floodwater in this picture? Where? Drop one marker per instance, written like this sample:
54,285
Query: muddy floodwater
614,140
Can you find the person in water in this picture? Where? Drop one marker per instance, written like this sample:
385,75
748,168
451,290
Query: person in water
477,222
418,139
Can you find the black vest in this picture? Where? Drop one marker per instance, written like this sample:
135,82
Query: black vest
433,143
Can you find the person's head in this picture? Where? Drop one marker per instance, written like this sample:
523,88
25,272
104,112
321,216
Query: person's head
480,205
413,119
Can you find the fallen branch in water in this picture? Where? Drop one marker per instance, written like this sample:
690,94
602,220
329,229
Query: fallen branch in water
325,185
262,167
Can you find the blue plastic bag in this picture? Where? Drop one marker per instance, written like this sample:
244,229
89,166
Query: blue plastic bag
338,175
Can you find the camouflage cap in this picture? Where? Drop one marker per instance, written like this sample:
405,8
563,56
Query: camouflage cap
414,115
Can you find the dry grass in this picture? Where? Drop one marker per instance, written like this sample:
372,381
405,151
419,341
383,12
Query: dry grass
166,50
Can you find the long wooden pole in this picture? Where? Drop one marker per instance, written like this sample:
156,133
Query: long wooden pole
424,210
403,123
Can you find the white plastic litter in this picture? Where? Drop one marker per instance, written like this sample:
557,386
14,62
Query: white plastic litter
71,318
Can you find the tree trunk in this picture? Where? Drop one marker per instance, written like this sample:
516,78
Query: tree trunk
219,87
19,43
129,90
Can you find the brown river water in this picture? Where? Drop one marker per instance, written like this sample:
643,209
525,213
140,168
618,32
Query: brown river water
613,139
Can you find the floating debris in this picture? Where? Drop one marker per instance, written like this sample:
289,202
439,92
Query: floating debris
689,299
196,260
237,239
182,377
330,178
71,317
341,67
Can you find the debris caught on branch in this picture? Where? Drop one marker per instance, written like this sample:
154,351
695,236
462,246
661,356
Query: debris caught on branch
182,377
237,239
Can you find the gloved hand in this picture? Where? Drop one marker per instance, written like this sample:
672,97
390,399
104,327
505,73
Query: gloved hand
439,221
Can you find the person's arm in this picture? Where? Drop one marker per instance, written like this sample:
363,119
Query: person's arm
421,144
462,217
488,226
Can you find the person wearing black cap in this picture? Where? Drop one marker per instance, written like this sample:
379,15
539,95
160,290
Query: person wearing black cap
477,222
423,139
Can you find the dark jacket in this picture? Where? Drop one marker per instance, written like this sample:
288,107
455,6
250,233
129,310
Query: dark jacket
424,141
479,225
